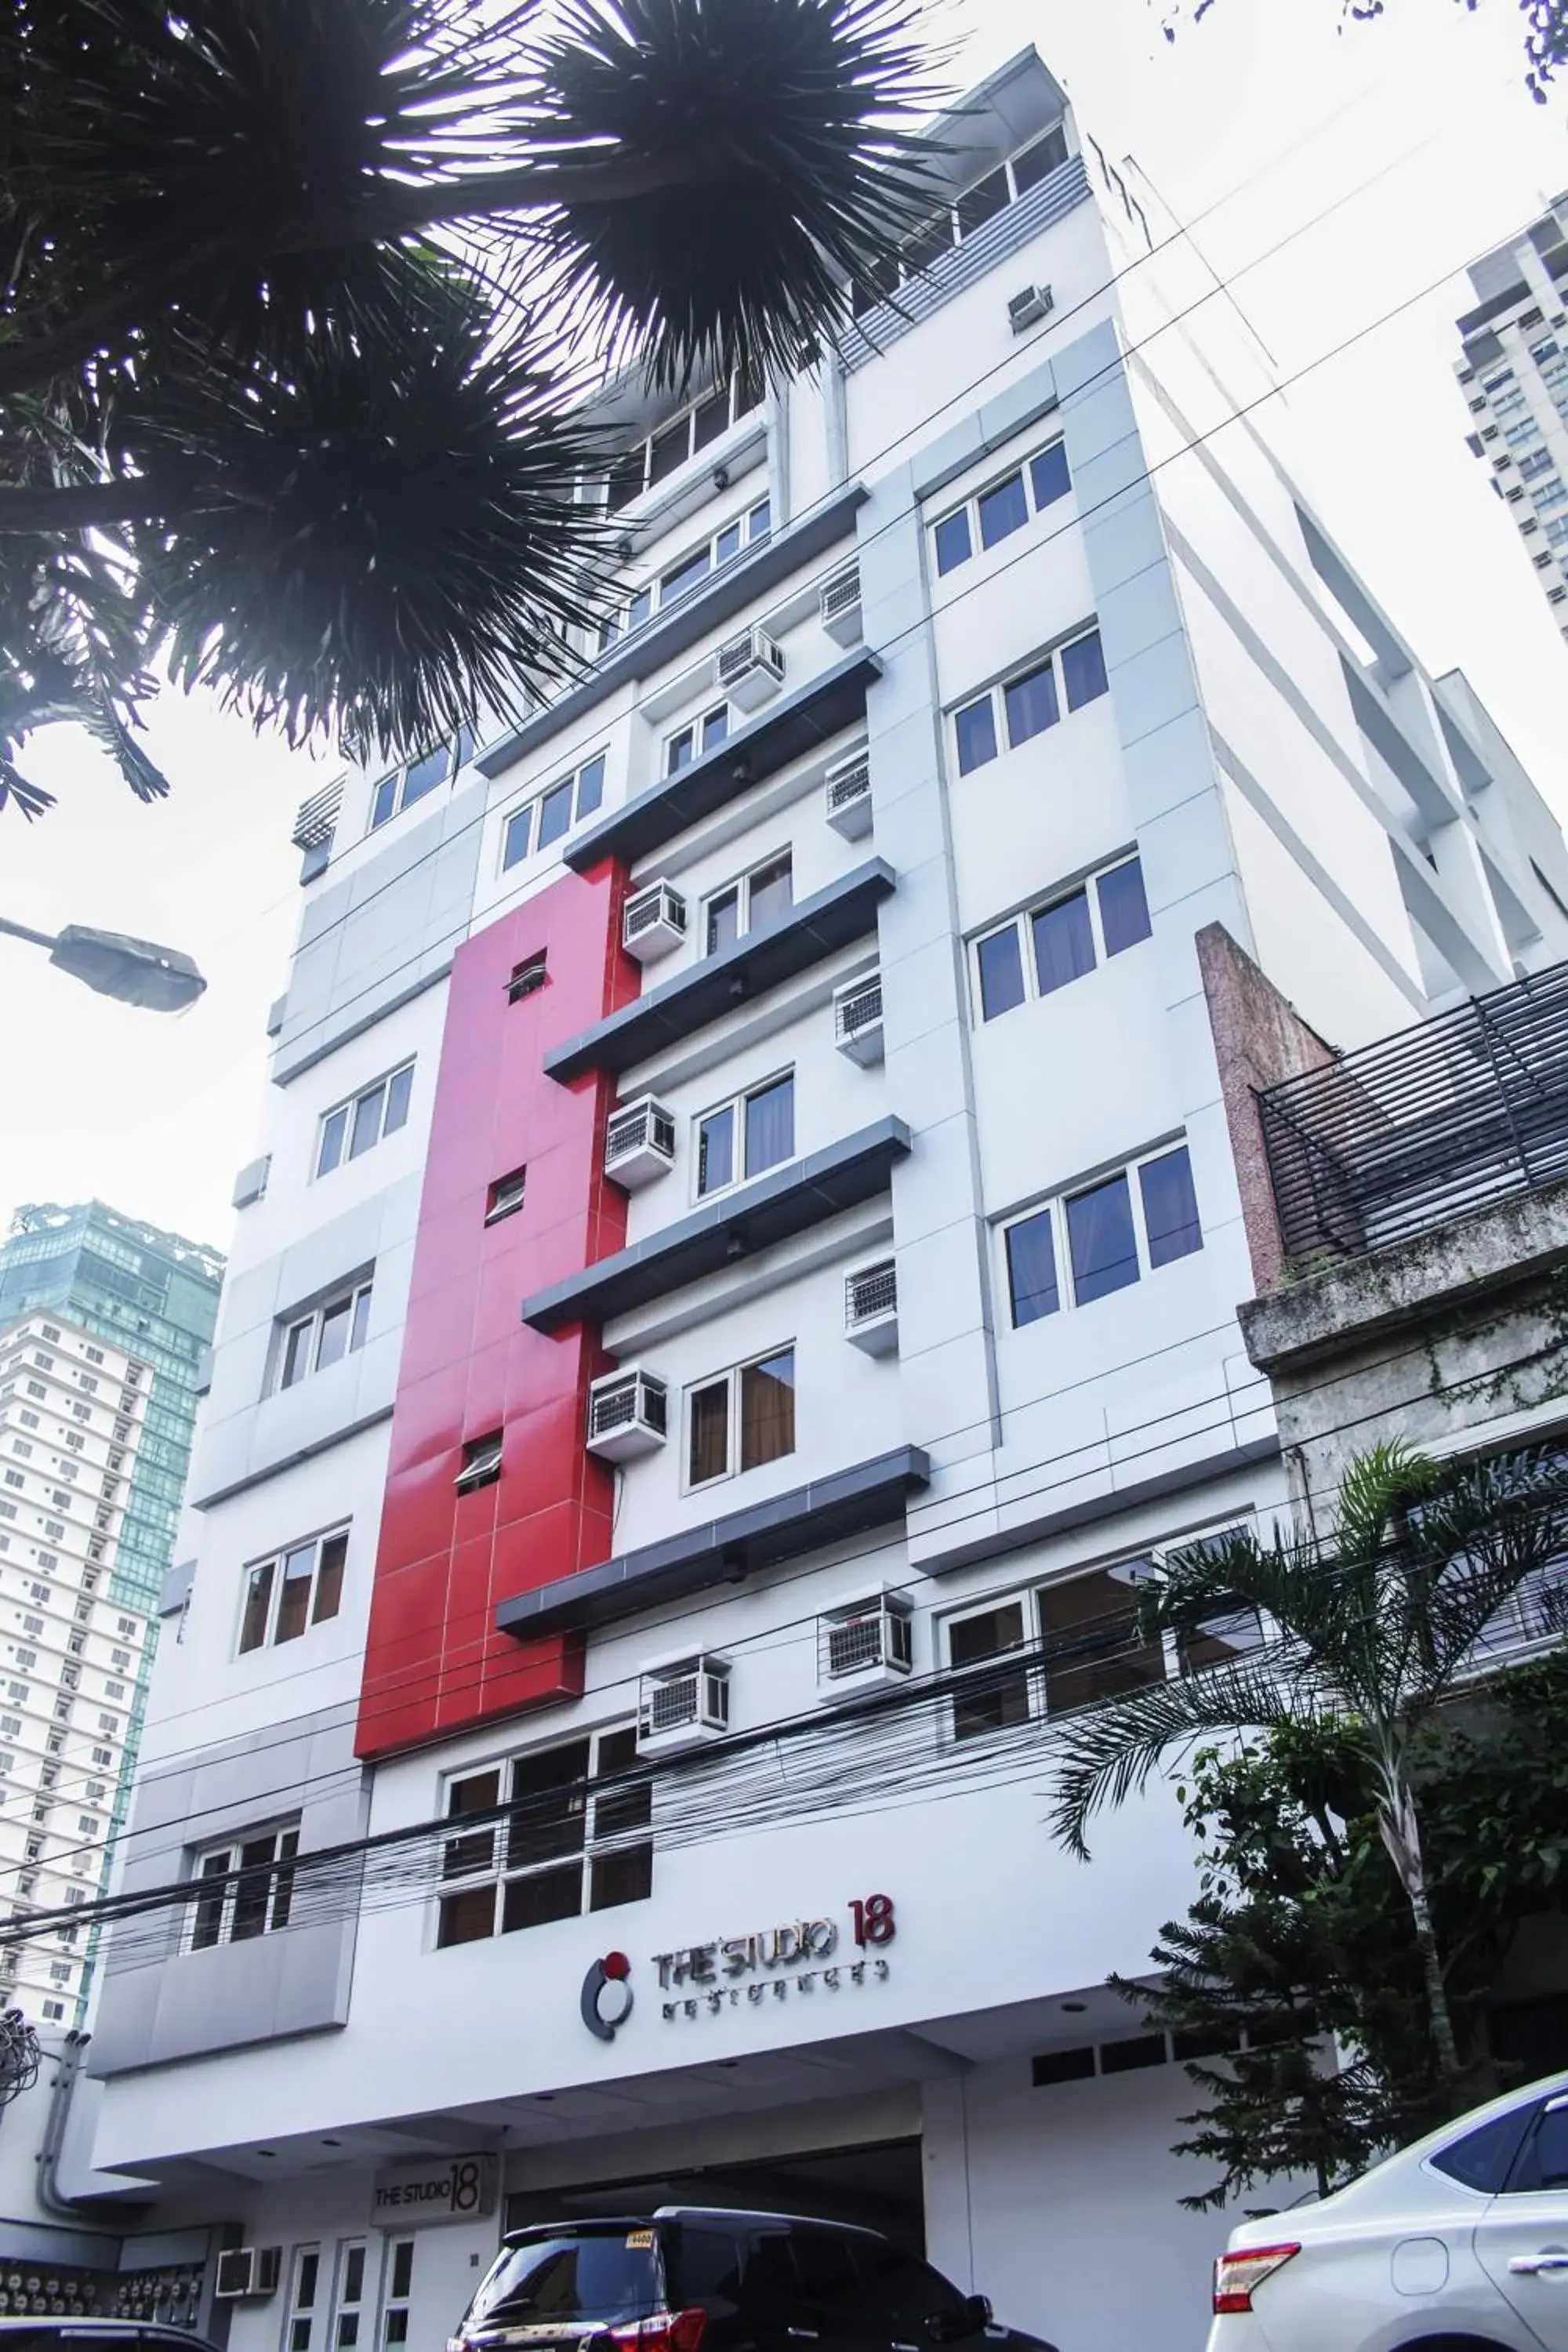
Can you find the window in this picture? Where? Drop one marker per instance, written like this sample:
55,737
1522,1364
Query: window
321,1338
1554,493
668,448
1517,435
505,1196
481,1463
1510,403
1039,952
410,783
1534,462
15,1479
742,1420
36,1389
302,2290
576,1832
88,1824
694,741
357,1125
22,1447
995,513
298,1588
742,1138
51,1332
103,1756
348,2302
758,898
748,529
1074,673
1103,1238
93,1355
247,1887
949,225
527,978
399,2289
539,822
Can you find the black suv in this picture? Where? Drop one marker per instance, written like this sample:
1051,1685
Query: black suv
700,2279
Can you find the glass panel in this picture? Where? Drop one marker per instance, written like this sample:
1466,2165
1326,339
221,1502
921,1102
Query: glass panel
1002,510
559,2286
670,449
305,2290
353,2275
715,726
1093,1652
329,1578
1169,1207
1064,942
399,1086
983,200
711,418
334,1338
952,546
367,1121
680,754
333,1130
1099,1236
929,243
623,1877
767,1410
771,892
1049,476
426,773
382,802
716,1150
361,1323
348,2330
639,608
710,1453
479,1793
252,1889
206,1925
554,814
727,546
724,920
683,578
760,521
999,1698
590,785
626,478
467,1917
1032,1268
544,1894
1031,704
1032,166
770,1126
1124,908
258,1598
294,1598
1001,972
297,1353
549,1797
403,2268
1083,670
975,727
515,836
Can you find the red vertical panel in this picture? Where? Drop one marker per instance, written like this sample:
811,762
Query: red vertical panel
433,1661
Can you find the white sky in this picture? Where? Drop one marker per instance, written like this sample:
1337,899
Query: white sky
1275,109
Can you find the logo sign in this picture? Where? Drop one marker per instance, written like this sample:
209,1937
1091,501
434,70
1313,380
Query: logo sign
435,2189
607,1996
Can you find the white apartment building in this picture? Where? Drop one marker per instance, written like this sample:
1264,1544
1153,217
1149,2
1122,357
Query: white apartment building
1513,373
71,1413
739,1280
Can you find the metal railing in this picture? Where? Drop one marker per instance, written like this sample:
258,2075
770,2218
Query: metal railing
1431,1124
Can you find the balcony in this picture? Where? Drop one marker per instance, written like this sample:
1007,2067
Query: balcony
1437,1122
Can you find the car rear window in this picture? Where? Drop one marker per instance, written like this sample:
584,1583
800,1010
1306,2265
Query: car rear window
1481,2159
592,2278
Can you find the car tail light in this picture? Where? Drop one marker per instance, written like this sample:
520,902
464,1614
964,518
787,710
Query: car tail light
665,2331
1238,2275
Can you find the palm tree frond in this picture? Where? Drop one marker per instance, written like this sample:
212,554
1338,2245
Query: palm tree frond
15,791
1377,1486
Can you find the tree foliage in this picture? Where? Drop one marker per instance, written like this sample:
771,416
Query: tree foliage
298,300
1545,31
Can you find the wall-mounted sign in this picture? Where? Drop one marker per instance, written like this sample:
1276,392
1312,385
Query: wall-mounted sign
607,1996
434,2188
800,1956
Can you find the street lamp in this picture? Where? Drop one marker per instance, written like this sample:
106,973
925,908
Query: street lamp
136,971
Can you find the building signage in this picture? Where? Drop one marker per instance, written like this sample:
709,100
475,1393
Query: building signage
800,1957
434,2188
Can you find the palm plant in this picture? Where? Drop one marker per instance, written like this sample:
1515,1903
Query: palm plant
1370,1630
298,300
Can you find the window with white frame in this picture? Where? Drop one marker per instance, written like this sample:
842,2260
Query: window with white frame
1021,707
752,1131
980,202
1003,506
1554,493
397,2294
564,1830
700,563
741,1418
1517,435
295,1589
416,778
358,1125
1085,1243
348,2295
304,2286
696,738
1535,462
761,896
1047,947
681,438
550,815
246,1887
329,1332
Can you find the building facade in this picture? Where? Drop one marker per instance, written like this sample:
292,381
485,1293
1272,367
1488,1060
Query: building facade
742,1282
1513,373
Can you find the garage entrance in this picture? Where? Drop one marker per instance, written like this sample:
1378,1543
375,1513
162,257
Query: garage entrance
879,2186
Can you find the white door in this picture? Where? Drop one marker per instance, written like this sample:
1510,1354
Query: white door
1521,2239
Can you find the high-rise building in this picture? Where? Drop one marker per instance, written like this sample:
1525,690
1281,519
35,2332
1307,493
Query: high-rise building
741,1287
73,1416
1513,373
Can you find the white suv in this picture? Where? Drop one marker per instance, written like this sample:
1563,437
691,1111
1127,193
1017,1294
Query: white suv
1458,2244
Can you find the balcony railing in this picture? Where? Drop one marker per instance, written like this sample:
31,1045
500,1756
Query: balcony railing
1432,1124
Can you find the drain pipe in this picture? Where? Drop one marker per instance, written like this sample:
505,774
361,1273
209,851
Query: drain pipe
68,2068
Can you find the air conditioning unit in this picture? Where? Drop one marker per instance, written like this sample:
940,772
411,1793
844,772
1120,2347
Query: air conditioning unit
683,1703
750,669
639,1143
1028,307
870,1642
847,787
838,601
653,922
871,1307
858,1018
628,1415
248,2273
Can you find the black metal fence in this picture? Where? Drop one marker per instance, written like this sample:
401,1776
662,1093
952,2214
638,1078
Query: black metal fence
1428,1125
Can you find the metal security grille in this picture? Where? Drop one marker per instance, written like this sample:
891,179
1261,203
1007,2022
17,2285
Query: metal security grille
859,1009
1431,1124
872,1290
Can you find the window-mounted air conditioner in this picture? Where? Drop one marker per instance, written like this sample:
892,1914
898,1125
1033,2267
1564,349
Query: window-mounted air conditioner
1028,307
858,1018
653,922
639,1143
683,1703
628,1415
838,603
248,2273
846,789
871,1307
749,670
868,1643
